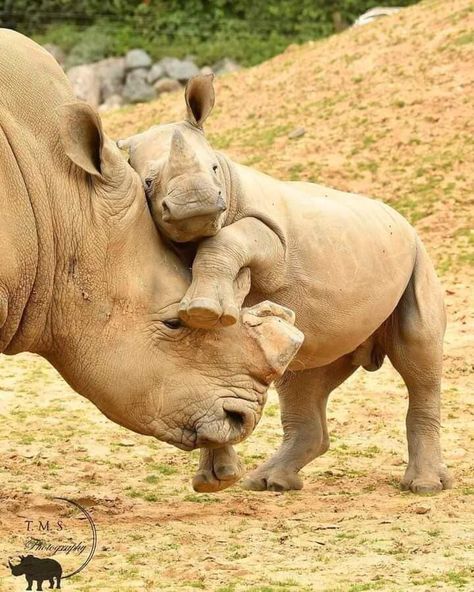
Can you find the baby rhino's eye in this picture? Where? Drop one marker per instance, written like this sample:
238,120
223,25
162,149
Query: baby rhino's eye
148,185
214,168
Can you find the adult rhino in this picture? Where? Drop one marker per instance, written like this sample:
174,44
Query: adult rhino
86,282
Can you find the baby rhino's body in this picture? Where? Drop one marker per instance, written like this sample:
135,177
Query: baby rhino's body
353,270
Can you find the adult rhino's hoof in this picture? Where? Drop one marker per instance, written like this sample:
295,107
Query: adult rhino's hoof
218,469
273,481
206,482
426,484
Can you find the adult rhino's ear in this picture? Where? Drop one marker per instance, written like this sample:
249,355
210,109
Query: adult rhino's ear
200,98
82,136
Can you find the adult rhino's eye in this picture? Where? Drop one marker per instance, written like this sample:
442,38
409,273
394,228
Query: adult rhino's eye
214,168
172,323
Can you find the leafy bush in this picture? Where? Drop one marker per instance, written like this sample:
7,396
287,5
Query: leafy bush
246,30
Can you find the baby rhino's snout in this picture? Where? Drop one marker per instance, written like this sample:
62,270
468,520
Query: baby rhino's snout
177,210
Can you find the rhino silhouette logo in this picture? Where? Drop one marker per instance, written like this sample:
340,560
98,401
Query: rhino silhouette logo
38,570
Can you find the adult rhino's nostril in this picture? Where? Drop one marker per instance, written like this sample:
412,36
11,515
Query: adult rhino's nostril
236,419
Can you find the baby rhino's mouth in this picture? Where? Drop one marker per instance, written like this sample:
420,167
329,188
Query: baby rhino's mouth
193,227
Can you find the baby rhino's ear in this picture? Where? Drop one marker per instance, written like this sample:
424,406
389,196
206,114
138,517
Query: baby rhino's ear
200,98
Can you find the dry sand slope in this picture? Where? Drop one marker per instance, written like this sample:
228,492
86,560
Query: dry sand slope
388,112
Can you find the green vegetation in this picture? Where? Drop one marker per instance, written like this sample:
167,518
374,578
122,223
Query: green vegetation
247,31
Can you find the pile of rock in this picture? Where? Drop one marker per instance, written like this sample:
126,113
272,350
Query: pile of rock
114,82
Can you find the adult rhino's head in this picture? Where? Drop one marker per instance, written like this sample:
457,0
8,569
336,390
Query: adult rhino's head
92,288
182,175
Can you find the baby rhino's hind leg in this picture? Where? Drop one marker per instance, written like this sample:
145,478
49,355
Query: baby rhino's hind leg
414,345
303,398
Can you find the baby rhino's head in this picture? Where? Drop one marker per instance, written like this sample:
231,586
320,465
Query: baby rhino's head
180,171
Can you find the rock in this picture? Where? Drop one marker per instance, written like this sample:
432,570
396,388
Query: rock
157,71
421,509
225,66
85,83
167,85
181,70
206,70
113,102
57,53
376,13
297,133
137,58
111,74
137,89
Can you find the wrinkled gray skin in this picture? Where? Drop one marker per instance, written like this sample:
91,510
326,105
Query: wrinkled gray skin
354,271
86,282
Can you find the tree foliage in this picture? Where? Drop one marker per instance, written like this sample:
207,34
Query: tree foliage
247,30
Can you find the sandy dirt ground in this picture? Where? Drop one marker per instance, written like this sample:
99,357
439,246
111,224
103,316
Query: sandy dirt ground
388,112
349,529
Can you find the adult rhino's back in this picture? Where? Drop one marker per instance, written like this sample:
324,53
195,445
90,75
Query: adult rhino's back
32,86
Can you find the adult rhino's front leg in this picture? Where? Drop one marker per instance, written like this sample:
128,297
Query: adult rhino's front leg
303,397
220,272
219,468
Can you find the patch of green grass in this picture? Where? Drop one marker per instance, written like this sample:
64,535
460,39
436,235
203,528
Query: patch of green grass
295,171
152,479
265,137
150,497
362,587
457,578
465,39
271,410
201,498
195,584
466,259
26,439
163,469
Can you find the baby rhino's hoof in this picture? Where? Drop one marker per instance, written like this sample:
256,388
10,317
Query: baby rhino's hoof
200,313
205,313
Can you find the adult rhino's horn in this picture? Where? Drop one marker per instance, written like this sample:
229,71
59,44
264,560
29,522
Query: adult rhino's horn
182,158
273,328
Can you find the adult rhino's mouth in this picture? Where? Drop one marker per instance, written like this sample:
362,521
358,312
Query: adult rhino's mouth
238,421
232,420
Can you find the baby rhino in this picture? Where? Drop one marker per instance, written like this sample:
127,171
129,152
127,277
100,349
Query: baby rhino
353,270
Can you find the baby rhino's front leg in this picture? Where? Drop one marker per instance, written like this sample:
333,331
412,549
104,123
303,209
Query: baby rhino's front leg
221,272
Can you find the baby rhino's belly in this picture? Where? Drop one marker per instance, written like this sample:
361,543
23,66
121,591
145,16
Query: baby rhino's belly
349,268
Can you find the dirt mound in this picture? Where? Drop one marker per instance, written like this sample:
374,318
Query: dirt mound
387,110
